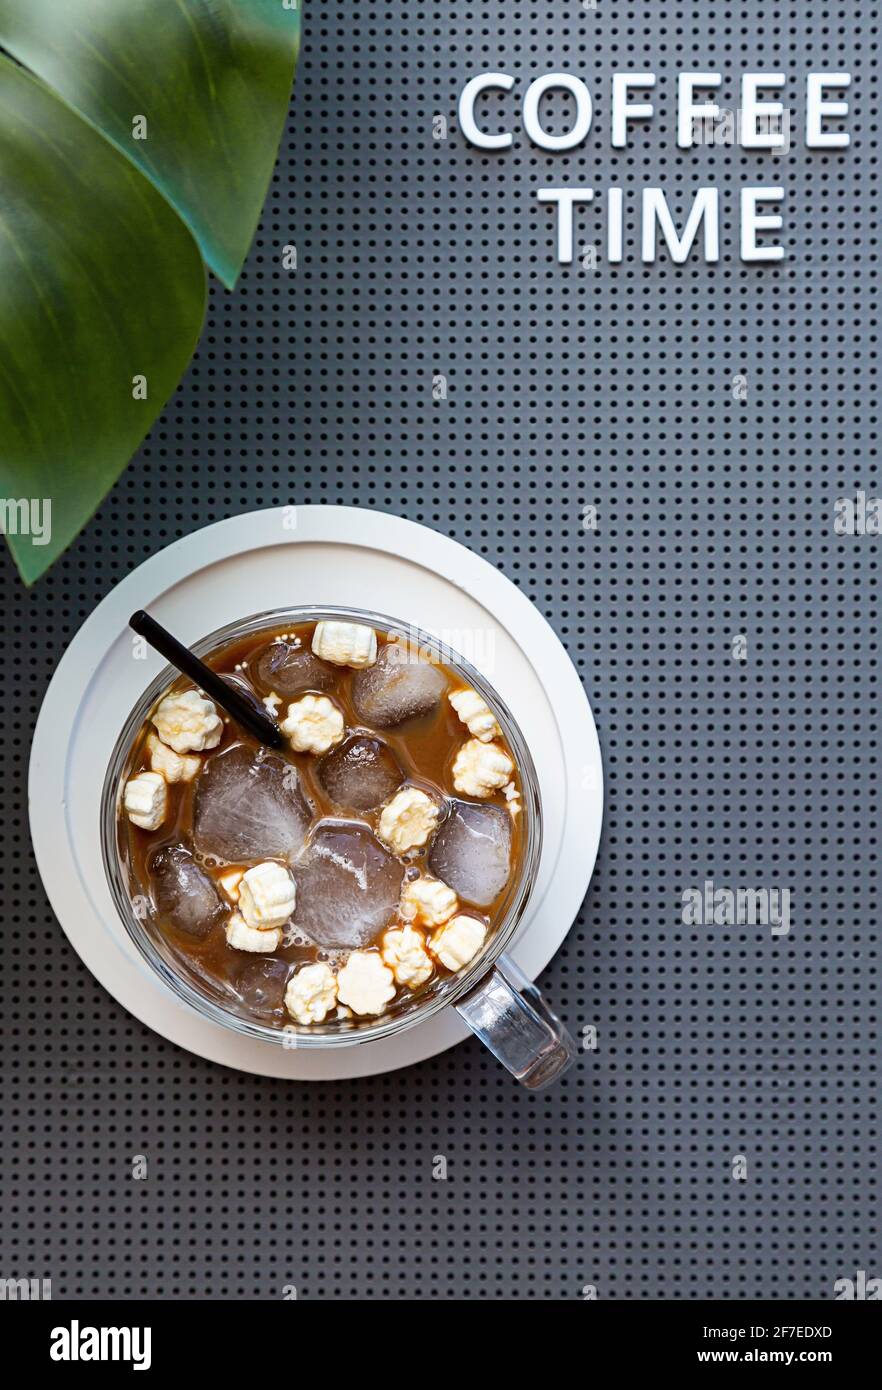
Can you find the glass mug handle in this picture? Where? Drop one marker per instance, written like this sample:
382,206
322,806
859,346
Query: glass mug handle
509,1015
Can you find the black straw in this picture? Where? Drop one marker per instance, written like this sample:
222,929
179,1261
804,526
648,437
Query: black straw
260,725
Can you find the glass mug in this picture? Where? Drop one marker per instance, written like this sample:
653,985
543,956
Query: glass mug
499,1004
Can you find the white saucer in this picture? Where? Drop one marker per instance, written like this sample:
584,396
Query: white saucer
324,556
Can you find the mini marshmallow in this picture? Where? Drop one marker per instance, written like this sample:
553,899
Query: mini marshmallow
267,895
345,644
428,901
314,724
365,984
404,951
480,769
513,797
408,820
187,722
458,941
476,714
244,938
311,993
171,765
146,800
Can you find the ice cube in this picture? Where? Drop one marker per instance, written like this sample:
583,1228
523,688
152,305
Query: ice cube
287,670
249,804
260,985
348,885
184,894
360,774
471,851
399,686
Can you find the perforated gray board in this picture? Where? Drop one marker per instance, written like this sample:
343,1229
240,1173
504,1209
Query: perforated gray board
567,387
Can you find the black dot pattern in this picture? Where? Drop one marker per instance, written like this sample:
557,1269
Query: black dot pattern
429,357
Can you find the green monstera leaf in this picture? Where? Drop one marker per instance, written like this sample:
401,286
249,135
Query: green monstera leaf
137,142
102,295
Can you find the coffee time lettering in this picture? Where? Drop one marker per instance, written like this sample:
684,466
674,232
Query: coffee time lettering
754,212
